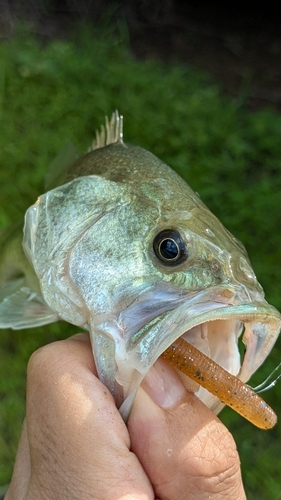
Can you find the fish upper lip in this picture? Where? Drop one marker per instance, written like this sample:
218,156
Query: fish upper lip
262,324
146,308
174,327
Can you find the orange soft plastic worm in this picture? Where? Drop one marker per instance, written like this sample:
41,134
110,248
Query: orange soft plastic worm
228,388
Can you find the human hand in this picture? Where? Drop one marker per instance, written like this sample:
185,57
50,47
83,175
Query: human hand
75,446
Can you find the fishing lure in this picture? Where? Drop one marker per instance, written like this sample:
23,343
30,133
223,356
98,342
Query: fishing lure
229,389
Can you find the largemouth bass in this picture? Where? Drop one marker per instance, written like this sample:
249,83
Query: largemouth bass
124,248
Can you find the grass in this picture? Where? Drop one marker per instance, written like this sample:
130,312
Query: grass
60,91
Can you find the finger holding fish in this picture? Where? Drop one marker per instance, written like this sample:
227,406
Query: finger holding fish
75,444
181,444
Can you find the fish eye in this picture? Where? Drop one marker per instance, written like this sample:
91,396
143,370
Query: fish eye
170,247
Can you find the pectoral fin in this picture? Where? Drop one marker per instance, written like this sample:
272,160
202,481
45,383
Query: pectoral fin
21,307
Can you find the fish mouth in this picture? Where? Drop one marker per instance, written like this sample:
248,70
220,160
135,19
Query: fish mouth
212,320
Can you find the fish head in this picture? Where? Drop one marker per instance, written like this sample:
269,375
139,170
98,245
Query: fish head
127,250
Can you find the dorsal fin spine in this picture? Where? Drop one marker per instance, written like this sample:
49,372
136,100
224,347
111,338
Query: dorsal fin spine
110,133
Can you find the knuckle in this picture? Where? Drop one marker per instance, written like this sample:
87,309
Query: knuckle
41,361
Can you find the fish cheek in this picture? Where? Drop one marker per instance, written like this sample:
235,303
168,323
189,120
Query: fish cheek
107,266
192,276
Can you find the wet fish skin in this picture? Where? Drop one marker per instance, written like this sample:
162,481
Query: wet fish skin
91,242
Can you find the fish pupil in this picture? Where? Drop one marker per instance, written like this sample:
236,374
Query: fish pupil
170,247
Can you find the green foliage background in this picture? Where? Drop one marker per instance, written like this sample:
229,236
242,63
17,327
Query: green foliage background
60,91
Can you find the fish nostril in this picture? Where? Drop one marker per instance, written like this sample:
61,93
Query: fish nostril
228,294
215,266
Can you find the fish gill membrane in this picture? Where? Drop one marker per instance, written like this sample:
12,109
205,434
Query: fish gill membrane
121,246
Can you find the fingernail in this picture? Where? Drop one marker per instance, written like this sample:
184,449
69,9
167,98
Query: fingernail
163,385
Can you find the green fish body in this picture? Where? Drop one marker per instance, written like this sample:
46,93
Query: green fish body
124,248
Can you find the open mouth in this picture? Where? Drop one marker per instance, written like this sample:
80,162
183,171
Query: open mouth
200,338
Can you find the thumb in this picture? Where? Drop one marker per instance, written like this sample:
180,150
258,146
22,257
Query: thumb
183,447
